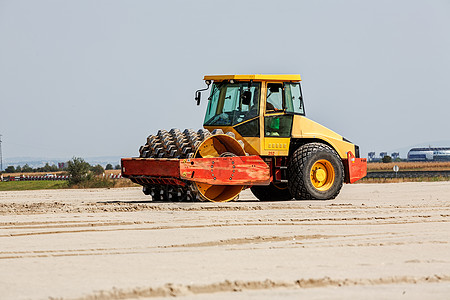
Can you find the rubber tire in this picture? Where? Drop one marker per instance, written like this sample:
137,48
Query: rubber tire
299,167
271,193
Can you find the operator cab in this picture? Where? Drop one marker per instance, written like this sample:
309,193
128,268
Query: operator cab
238,101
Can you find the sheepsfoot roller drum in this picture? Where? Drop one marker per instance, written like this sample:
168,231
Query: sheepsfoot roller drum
215,168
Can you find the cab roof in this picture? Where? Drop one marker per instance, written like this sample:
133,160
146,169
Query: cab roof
256,77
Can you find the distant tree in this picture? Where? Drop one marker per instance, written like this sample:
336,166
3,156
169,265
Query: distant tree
117,167
27,169
109,167
18,169
97,170
78,170
46,168
10,169
386,159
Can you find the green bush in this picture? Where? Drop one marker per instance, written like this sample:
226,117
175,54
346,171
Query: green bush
386,159
26,168
97,170
10,169
83,175
79,171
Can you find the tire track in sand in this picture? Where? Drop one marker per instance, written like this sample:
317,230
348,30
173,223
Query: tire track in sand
304,241
130,250
177,290
117,206
45,228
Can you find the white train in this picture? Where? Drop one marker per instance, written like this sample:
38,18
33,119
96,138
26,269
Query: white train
429,154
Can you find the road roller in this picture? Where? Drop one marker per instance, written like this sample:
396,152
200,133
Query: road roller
255,135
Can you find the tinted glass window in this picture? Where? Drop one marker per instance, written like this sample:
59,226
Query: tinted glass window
226,105
249,129
274,99
293,96
279,126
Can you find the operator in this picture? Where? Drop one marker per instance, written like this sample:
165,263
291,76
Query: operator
274,99
253,111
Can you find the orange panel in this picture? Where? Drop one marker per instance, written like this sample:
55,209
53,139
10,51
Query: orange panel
159,167
236,170
355,168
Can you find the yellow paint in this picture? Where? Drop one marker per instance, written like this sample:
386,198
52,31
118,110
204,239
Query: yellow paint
320,174
306,128
255,77
302,128
271,143
207,149
251,144
276,146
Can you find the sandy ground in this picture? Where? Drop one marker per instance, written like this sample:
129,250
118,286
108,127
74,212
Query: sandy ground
375,241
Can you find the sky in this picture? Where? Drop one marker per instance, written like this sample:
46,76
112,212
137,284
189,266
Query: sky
94,78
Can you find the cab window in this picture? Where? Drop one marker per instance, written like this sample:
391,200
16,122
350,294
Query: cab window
284,97
294,99
278,126
232,103
274,99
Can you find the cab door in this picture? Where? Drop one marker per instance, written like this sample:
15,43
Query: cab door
277,125
246,121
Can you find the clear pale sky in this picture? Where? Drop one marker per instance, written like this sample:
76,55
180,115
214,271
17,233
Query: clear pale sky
95,78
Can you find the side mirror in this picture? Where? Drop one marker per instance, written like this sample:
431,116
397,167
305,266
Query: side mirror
246,97
197,97
198,92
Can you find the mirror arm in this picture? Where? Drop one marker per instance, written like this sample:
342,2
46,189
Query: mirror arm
198,92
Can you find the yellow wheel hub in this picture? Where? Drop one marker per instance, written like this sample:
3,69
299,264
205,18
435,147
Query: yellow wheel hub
322,175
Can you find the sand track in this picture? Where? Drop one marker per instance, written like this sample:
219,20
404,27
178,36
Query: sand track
115,244
171,290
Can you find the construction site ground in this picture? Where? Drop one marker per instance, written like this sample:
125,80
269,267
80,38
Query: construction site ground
374,241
